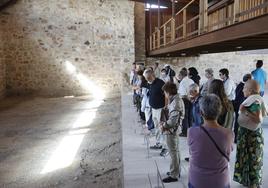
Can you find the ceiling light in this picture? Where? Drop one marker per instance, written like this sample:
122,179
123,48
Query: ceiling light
154,6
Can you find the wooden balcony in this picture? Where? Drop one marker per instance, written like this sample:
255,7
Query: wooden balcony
227,25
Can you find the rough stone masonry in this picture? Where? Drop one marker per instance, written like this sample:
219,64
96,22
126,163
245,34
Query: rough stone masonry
50,47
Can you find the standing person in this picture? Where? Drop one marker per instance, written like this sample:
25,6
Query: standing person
157,102
229,85
132,75
260,76
209,75
210,146
239,98
170,127
164,76
250,144
141,83
227,114
193,74
196,113
195,98
184,92
170,72
156,70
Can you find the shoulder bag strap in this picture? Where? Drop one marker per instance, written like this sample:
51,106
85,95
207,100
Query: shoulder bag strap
218,148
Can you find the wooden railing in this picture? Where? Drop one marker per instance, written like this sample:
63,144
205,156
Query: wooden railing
225,13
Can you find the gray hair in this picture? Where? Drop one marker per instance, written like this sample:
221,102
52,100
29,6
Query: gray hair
148,72
209,71
183,72
210,106
194,87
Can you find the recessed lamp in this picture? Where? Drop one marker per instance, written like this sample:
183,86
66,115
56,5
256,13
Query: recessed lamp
183,54
239,47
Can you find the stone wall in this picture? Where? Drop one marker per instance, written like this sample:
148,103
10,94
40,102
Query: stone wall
139,32
2,80
65,47
238,63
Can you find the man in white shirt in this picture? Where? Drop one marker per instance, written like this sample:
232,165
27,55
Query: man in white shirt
184,88
185,83
229,85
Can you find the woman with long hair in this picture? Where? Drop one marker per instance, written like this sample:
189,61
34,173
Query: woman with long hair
227,114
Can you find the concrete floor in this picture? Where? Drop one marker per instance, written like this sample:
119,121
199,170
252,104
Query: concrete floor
139,165
60,142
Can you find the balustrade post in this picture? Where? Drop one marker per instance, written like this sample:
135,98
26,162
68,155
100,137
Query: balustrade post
165,35
184,23
236,10
172,30
153,40
158,38
150,39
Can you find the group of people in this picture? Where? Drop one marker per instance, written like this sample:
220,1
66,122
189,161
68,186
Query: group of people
211,115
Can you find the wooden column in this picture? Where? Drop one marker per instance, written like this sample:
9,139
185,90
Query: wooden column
236,10
173,8
150,20
203,16
150,29
158,25
265,9
172,29
158,15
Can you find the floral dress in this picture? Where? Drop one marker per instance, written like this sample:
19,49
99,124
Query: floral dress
249,156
